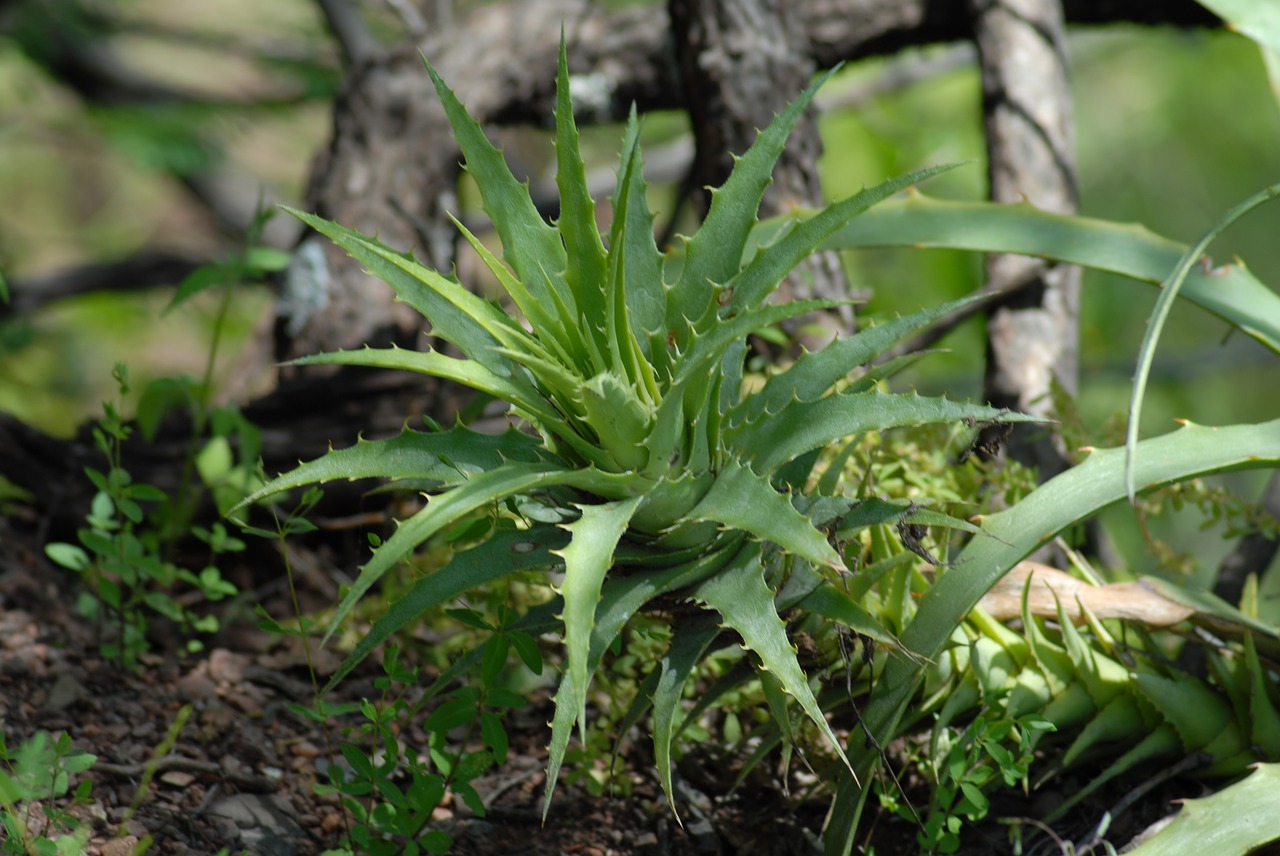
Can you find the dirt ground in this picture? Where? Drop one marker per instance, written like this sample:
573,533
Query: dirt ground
242,770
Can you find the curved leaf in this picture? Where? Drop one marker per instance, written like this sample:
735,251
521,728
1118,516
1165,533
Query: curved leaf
1230,292
449,457
508,480
1164,303
775,438
1070,497
506,552
1234,821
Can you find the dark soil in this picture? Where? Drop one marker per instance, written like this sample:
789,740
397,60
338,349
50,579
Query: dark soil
242,770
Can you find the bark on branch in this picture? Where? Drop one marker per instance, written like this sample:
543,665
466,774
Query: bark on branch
391,170
1030,134
391,167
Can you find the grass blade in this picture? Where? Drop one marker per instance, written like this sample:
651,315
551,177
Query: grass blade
1155,325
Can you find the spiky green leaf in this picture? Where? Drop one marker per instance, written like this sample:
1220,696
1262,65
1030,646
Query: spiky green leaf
506,552
531,246
646,294
587,558
713,256
585,254
551,325
511,479
469,373
1264,716
1201,716
620,598
775,438
447,456
815,373
771,264
740,595
1169,290
741,499
476,326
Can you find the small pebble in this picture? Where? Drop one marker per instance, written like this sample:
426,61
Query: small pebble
177,778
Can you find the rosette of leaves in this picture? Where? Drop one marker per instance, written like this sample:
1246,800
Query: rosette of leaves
639,465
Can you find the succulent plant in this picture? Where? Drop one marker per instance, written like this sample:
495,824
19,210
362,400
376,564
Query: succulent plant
639,465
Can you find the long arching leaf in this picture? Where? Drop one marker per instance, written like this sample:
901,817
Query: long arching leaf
1070,497
1164,303
775,438
1231,292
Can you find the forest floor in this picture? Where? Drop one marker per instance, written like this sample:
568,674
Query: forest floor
241,773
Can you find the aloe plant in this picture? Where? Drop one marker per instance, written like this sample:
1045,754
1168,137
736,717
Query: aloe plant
1237,820
638,464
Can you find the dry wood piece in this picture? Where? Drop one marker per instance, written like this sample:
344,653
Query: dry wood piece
1134,601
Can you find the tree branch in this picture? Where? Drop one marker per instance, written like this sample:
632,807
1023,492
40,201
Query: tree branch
1026,99
357,44
147,269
